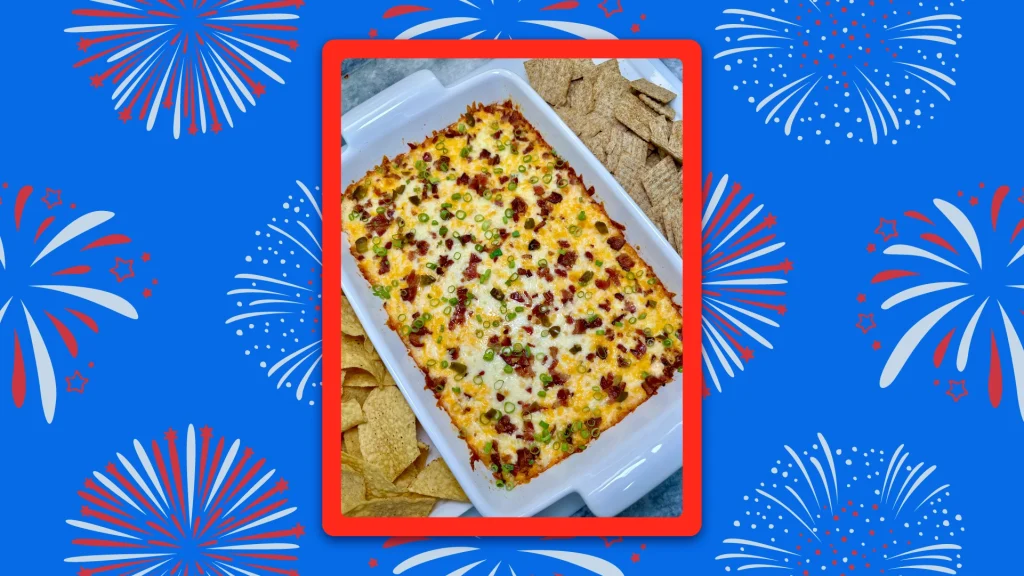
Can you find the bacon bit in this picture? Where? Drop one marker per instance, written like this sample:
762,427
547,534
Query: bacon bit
602,283
616,242
561,273
463,180
558,379
527,429
568,259
379,224
496,135
623,362
411,286
505,426
427,157
651,385
479,182
442,264
384,266
563,396
589,255
500,397
442,160
524,272
606,306
538,190
528,329
528,149
566,296
630,307
625,261
414,337
518,207
641,348
506,341
466,239
503,179
471,273
422,247
453,353
554,198
485,153
545,273
496,160
459,314
549,298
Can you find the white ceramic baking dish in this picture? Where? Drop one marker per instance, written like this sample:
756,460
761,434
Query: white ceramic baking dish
629,459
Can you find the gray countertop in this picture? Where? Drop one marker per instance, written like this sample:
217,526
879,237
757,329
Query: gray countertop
362,79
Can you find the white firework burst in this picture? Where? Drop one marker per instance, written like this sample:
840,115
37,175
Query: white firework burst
593,564
831,512
843,70
490,19
280,295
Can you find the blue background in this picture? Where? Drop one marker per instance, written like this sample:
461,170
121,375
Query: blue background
194,203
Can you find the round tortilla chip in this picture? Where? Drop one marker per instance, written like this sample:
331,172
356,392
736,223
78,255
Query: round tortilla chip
351,415
353,488
349,321
402,507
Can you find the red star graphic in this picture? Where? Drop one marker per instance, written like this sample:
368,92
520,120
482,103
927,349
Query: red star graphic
866,327
259,89
876,345
861,298
96,81
281,485
871,247
373,562
84,44
974,200
145,256
146,292
786,266
76,382
707,391
192,129
747,354
299,531
881,230
52,198
170,435
635,558
118,262
206,432
125,114
608,13
957,390
960,193
217,127
635,28
373,32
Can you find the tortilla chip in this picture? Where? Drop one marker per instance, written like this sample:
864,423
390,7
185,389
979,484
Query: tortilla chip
360,379
355,355
349,322
664,186
645,86
353,488
406,478
350,442
351,415
664,109
550,77
401,507
635,115
377,486
438,481
357,394
388,440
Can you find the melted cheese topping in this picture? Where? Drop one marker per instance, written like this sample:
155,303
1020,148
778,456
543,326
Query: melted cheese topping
536,325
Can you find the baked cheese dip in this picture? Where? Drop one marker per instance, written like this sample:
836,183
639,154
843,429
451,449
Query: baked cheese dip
537,326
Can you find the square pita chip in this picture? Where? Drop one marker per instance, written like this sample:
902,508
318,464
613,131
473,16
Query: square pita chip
351,415
582,67
409,506
631,153
645,86
349,322
580,97
388,439
609,86
550,77
664,186
672,226
438,481
664,109
353,488
635,115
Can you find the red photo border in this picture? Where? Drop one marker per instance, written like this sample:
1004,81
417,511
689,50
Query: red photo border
689,522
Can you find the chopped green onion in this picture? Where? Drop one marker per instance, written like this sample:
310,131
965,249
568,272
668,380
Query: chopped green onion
489,354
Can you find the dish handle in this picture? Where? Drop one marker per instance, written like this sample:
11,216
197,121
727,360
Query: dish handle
422,86
638,475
